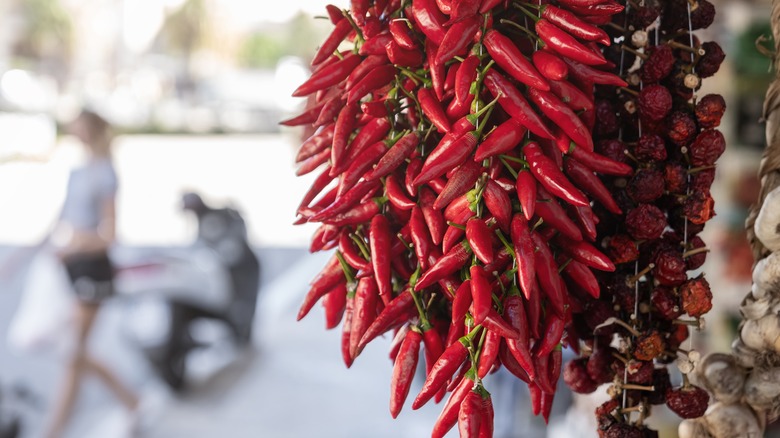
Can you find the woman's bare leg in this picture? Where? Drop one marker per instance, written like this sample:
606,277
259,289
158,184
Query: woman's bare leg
79,364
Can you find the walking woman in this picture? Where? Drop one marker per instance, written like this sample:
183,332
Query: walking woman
83,237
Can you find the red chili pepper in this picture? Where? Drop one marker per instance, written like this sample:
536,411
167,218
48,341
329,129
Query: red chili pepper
445,6
461,181
501,140
328,76
481,239
363,313
394,157
384,321
356,215
599,163
573,25
433,110
331,43
433,351
487,5
581,3
312,163
459,211
449,153
433,217
308,116
566,45
460,306
465,75
402,34
316,188
345,123
376,45
449,414
590,183
403,371
547,274
328,279
395,194
607,8
586,254
334,304
325,200
551,177
481,293
334,13
380,239
586,220
513,102
398,338
316,143
429,19
555,216
572,96
449,263
371,133
586,74
403,57
494,322
553,332
351,254
378,109
346,330
518,348
563,116
368,64
547,402
509,57
510,363
549,65
457,38
542,365
357,168
421,238
470,415
524,254
449,361
378,78
526,193
583,277
489,353
330,111
498,203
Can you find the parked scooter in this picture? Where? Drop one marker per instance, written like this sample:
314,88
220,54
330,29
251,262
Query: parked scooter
213,283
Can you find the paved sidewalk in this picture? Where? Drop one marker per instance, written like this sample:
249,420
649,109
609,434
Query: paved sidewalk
292,383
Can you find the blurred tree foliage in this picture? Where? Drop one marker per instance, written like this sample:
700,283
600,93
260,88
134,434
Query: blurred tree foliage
299,37
46,30
186,29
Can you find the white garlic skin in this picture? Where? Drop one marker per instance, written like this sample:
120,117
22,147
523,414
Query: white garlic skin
766,277
762,334
762,388
768,220
732,421
720,374
754,309
745,357
693,428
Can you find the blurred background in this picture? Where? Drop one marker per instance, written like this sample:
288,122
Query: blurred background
196,89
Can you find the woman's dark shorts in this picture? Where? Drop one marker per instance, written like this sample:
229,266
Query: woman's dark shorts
92,276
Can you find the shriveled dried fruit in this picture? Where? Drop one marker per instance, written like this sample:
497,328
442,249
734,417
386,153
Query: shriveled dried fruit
707,147
665,303
650,148
661,382
604,414
613,149
696,296
648,346
709,110
699,207
622,249
675,177
687,402
623,430
607,122
702,180
646,186
645,222
599,365
709,64
643,16
576,376
681,128
694,261
658,65
670,268
654,103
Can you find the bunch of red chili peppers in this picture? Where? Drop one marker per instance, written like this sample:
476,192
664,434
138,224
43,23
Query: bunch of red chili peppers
459,187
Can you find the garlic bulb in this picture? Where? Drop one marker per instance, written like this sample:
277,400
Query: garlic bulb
731,421
752,308
767,225
722,376
745,357
766,276
693,428
762,334
762,388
